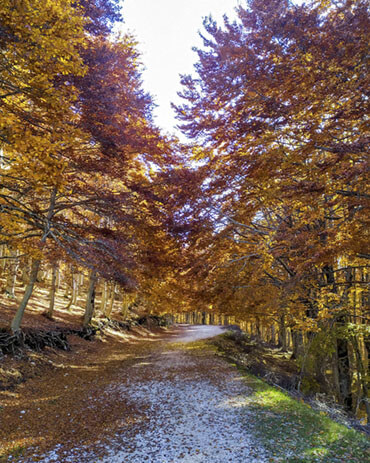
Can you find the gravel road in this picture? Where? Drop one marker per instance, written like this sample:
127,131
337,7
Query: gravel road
192,405
194,409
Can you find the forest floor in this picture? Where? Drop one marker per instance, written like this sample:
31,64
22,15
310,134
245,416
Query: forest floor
163,396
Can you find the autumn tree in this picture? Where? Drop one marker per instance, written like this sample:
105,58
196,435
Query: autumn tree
279,103
82,155
36,119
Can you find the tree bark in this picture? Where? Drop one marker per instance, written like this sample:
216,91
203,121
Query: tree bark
26,270
362,380
104,297
344,375
90,301
3,248
298,344
75,288
53,288
109,306
343,355
16,322
57,283
283,340
11,279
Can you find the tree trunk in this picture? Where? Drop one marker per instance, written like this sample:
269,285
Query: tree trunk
90,302
75,288
58,282
109,307
3,248
126,303
104,297
11,279
273,335
53,288
344,375
298,344
283,340
258,332
343,356
16,322
124,311
362,380
26,266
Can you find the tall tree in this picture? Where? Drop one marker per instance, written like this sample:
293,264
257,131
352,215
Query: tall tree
82,160
279,102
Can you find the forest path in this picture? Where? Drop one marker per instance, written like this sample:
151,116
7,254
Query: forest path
193,402
162,396
177,402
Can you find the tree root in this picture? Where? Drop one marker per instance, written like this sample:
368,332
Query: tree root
37,340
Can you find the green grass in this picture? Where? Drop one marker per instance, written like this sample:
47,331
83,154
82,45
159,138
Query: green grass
13,454
292,432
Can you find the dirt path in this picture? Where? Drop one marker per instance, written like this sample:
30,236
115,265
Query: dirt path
164,403
157,397
193,409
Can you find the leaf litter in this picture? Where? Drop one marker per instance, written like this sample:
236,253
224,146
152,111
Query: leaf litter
144,399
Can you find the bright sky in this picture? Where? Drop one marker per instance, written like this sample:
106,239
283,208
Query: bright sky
167,30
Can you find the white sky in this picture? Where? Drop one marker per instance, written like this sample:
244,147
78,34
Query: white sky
166,31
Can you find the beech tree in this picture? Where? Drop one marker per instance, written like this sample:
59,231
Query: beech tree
79,170
279,103
36,119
